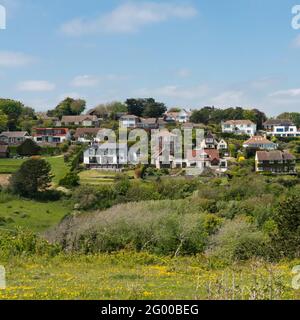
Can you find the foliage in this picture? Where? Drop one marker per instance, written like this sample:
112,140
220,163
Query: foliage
145,107
70,180
28,148
68,107
33,176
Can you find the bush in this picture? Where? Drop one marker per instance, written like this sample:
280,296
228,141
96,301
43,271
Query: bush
238,240
70,180
28,148
25,243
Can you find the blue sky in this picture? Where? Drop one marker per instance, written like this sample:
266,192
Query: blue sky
185,53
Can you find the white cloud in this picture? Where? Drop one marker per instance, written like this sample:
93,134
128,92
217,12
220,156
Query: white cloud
228,98
290,93
129,18
85,81
178,92
36,86
184,73
14,59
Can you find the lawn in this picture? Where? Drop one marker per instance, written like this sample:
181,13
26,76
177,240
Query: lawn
34,215
59,168
134,276
96,177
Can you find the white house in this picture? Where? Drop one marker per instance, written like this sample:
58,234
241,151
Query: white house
222,145
281,128
181,117
239,127
129,121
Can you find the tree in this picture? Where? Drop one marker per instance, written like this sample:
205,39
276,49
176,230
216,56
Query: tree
28,148
33,176
146,107
293,116
135,106
3,121
12,109
68,107
70,180
287,218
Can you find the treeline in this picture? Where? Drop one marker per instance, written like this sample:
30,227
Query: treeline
212,115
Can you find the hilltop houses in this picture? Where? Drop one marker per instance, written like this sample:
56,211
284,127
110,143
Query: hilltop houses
246,127
276,162
281,128
85,135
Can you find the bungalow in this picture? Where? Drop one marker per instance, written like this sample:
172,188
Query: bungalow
81,120
129,121
239,127
51,135
281,128
4,151
258,142
14,137
277,162
86,135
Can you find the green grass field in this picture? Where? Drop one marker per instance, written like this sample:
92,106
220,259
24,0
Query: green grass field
34,215
133,276
96,177
59,168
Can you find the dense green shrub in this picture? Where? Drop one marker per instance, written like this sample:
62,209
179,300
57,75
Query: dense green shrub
24,243
28,148
238,240
70,180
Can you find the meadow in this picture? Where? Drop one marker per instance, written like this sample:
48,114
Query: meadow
129,275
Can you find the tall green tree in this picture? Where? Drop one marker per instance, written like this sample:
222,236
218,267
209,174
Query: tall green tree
33,176
13,110
68,107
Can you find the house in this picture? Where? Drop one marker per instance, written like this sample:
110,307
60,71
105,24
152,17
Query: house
182,117
239,127
209,141
277,162
163,150
206,158
161,123
14,137
281,128
51,135
4,151
86,135
129,121
108,155
148,123
81,120
259,142
222,145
